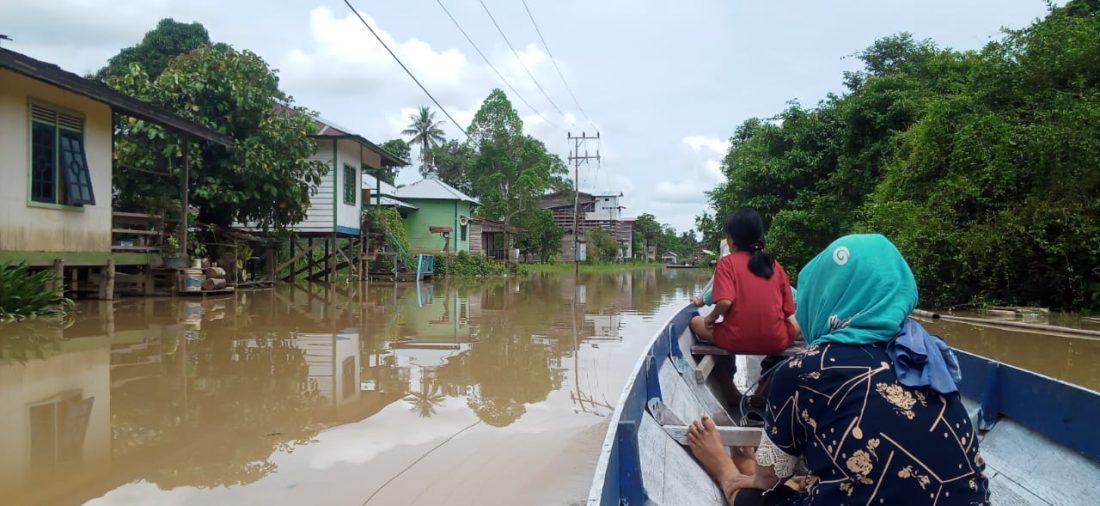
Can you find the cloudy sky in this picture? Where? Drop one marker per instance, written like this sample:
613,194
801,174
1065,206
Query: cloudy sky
665,82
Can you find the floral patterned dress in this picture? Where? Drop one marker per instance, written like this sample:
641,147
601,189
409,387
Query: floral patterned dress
865,438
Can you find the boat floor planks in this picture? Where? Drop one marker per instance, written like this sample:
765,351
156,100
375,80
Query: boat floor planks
677,395
704,392
670,474
1022,465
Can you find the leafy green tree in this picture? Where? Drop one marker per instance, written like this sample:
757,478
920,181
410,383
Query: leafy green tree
601,245
424,131
452,161
509,171
649,229
398,148
540,235
266,178
168,40
710,227
979,165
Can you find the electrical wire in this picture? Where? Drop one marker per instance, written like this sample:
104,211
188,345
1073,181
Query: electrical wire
491,66
520,60
555,62
407,71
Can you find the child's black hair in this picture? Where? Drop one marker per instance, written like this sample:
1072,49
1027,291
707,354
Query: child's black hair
746,227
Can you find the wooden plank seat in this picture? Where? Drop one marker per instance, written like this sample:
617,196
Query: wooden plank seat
701,348
731,435
706,364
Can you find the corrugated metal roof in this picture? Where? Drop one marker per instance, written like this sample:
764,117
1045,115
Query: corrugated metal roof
326,128
370,182
119,102
432,188
390,202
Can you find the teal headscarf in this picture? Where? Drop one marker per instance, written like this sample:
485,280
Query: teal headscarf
857,291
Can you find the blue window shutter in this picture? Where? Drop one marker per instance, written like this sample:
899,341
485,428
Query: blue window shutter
74,163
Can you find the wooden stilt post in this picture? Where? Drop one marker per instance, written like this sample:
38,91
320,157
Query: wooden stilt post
110,279
150,281
309,262
272,255
107,281
330,266
59,276
185,196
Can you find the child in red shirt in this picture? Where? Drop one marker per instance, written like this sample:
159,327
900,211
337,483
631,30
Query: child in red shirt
751,292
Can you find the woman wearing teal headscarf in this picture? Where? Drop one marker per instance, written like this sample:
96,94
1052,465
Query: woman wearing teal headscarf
839,408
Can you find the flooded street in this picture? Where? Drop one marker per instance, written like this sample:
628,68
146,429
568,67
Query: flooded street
491,391
478,392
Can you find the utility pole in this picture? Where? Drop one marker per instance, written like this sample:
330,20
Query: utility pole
577,159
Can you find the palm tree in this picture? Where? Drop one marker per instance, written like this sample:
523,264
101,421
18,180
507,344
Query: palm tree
424,130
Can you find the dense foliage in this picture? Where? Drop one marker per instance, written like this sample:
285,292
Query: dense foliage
465,264
982,166
388,221
168,40
648,232
601,246
266,178
26,294
398,148
540,235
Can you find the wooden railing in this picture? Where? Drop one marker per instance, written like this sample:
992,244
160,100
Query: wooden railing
136,232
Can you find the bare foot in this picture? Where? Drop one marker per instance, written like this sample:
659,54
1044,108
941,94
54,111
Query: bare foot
744,457
706,445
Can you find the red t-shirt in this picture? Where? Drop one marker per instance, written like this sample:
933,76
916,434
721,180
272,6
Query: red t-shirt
756,323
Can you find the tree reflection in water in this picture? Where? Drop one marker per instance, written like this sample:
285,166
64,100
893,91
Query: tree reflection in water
207,393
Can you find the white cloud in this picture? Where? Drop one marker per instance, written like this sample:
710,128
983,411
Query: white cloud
714,144
342,59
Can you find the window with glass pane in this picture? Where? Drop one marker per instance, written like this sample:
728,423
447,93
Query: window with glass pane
59,165
43,163
74,164
349,185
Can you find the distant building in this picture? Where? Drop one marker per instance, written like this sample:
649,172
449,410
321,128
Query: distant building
382,194
670,258
490,238
594,210
439,208
337,206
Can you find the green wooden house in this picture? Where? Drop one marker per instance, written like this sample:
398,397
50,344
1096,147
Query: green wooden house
440,208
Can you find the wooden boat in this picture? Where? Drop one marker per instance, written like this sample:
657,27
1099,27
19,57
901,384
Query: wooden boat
1039,440
678,266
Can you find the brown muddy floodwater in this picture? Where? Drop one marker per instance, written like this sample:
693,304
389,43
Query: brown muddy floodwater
481,392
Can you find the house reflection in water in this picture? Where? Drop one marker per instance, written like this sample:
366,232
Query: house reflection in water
54,411
215,393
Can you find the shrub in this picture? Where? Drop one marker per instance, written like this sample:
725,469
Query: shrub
24,294
465,264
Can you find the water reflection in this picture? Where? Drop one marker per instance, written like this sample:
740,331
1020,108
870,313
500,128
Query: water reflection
220,392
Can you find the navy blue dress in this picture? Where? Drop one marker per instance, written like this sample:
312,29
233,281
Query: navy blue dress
867,439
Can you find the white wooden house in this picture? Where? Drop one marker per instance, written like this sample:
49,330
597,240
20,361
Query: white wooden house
56,164
336,207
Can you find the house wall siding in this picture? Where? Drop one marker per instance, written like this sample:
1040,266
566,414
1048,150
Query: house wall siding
436,213
347,216
319,216
36,229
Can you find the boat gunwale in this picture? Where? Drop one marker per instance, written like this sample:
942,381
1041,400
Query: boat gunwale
599,482
987,389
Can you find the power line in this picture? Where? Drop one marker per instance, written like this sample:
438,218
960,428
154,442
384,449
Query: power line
491,66
555,62
520,60
407,71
